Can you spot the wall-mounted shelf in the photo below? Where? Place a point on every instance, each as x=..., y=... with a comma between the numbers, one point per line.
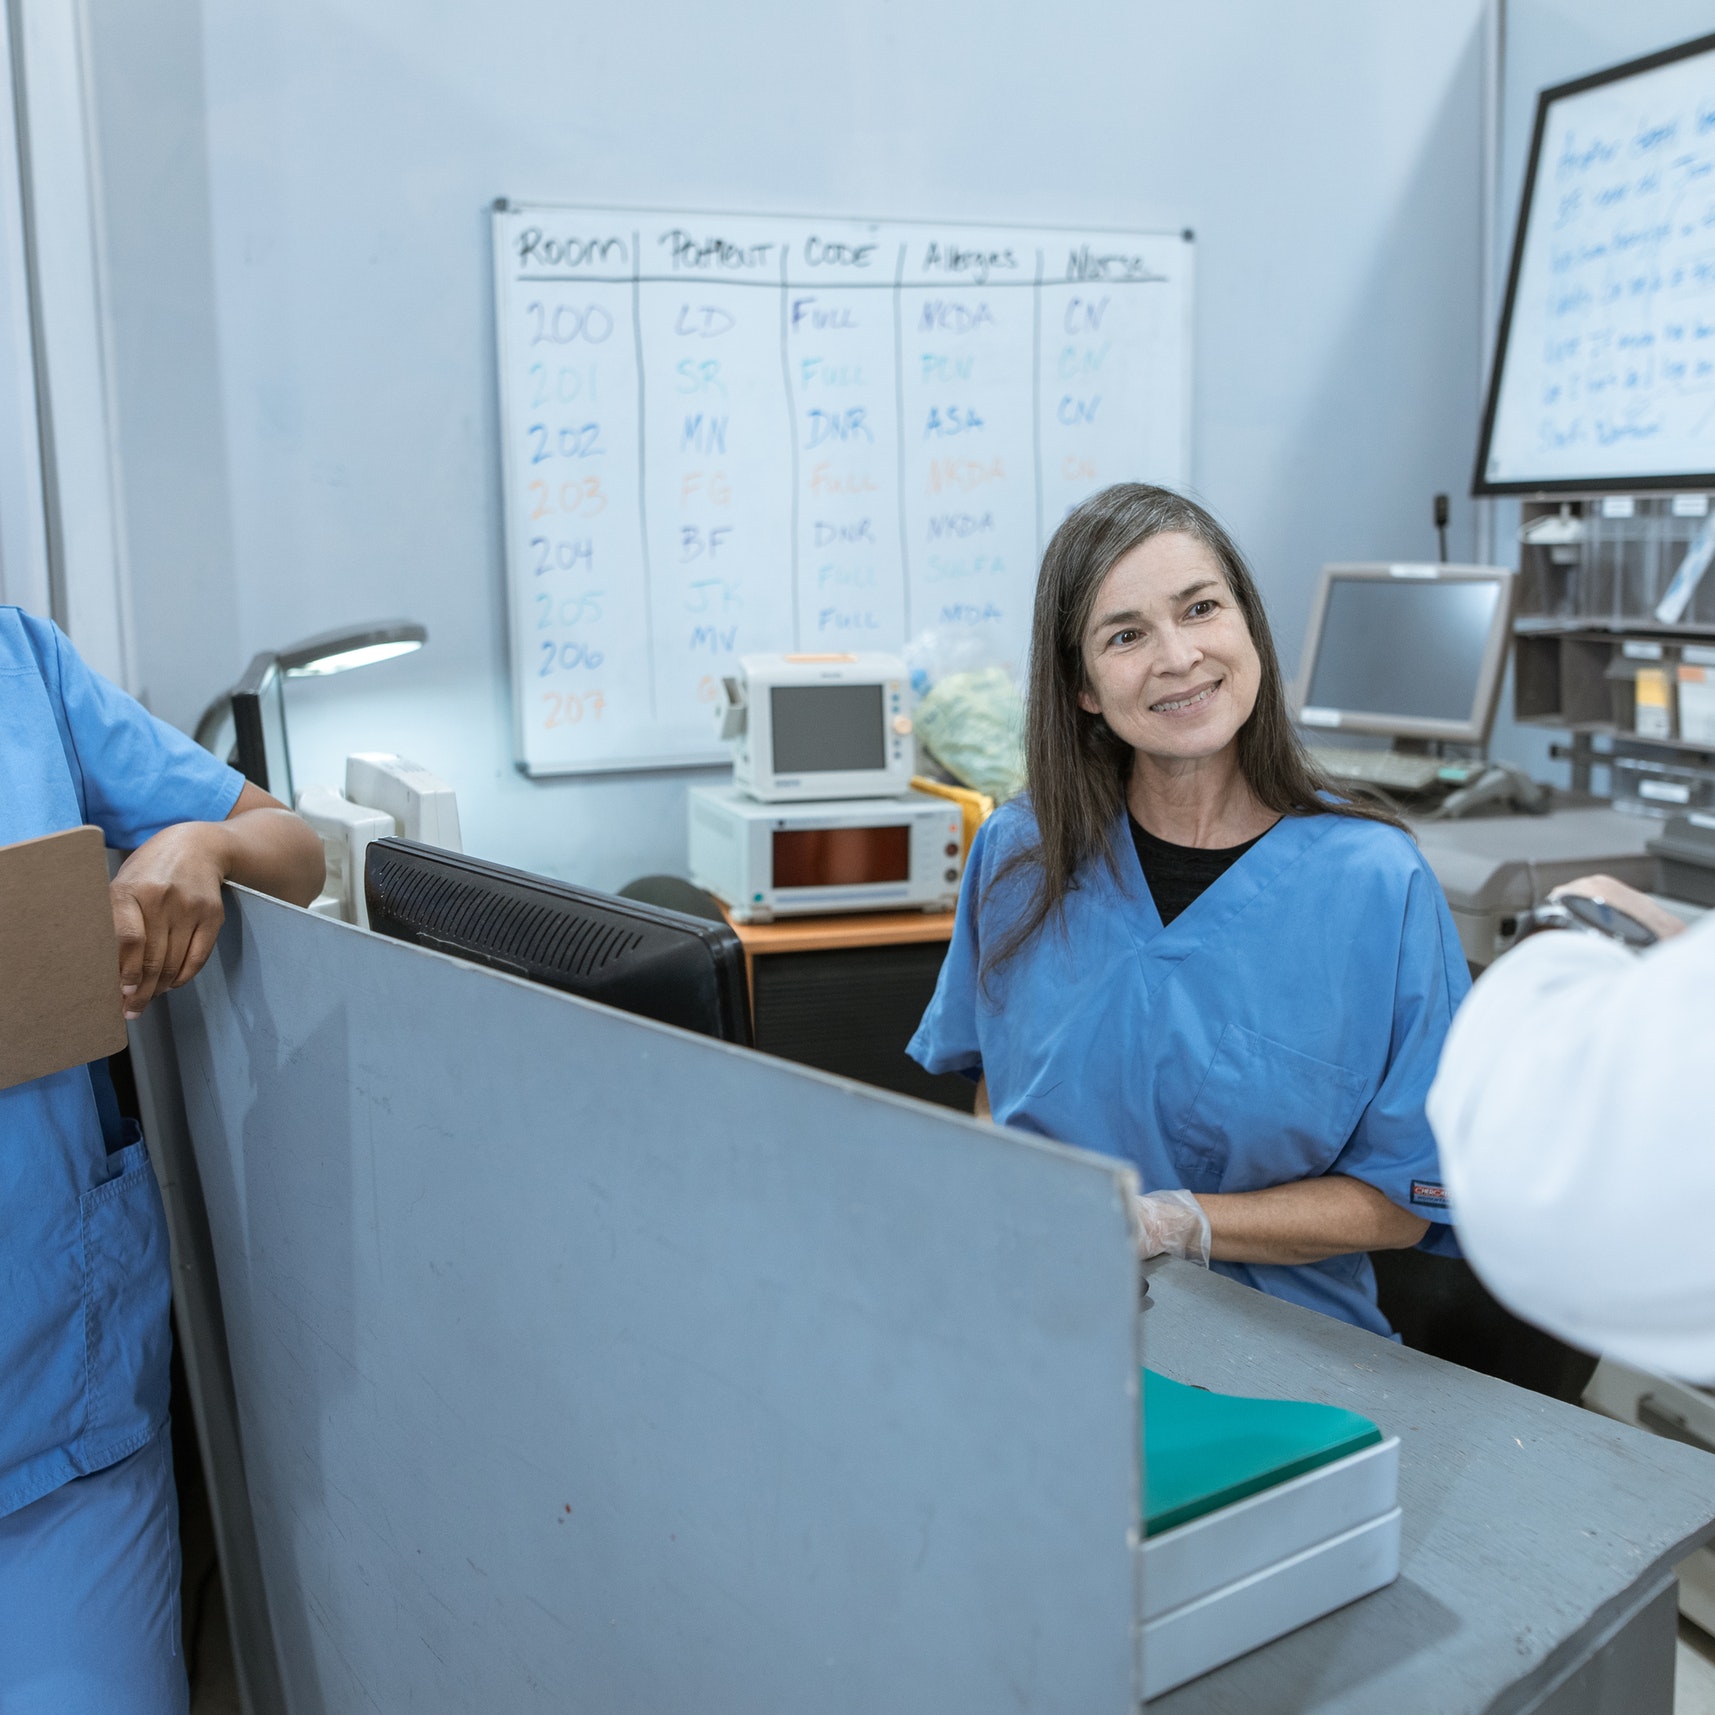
x=1591, y=657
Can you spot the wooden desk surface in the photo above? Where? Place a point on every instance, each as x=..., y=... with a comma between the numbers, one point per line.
x=852, y=929
x=1529, y=1525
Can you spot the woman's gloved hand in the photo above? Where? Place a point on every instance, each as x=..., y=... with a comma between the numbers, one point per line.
x=1172, y=1223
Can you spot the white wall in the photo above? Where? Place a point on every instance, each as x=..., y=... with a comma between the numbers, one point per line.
x=302, y=298
x=1547, y=42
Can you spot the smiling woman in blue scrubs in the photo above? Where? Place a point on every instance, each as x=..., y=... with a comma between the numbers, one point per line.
x=1182, y=948
x=89, y=1556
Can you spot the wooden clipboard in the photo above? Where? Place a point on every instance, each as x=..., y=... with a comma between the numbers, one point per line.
x=59, y=957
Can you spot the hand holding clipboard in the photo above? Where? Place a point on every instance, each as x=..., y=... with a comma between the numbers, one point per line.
x=60, y=1004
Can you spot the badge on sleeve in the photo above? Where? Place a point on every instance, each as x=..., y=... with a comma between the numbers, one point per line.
x=1429, y=1194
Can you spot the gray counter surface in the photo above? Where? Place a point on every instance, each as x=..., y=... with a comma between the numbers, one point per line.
x=1531, y=1528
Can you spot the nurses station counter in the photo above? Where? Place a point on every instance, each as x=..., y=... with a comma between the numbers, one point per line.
x=553, y=1359
x=1493, y=867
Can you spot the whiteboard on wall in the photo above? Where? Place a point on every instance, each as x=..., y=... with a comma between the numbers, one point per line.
x=731, y=433
x=1604, y=373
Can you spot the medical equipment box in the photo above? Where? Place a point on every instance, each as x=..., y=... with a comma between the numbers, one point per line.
x=1260, y=1516
x=805, y=728
x=779, y=860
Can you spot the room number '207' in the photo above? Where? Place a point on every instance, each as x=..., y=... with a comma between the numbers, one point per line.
x=568, y=708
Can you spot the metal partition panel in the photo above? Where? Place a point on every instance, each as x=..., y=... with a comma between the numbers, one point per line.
x=585, y=1364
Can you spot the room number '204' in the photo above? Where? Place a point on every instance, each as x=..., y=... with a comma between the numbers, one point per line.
x=727, y=433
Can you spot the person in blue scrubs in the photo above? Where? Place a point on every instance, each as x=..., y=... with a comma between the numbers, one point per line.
x=89, y=1544
x=1181, y=947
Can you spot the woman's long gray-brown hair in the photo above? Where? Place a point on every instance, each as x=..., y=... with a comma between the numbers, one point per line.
x=1077, y=767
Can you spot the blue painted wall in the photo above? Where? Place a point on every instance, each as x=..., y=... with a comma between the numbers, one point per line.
x=295, y=199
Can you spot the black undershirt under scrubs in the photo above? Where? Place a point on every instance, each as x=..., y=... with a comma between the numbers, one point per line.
x=1177, y=874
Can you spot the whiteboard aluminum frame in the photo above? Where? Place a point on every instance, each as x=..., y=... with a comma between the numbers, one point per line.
x=1481, y=485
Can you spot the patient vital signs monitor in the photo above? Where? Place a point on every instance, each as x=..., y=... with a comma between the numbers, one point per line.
x=819, y=726
x=1407, y=651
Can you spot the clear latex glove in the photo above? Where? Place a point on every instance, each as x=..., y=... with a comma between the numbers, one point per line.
x=1172, y=1222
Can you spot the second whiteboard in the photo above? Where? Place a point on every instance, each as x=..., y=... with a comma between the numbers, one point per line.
x=726, y=434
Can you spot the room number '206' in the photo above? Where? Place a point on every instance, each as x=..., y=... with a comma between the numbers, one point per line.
x=566, y=657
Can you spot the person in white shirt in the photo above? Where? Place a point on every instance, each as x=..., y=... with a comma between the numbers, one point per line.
x=1575, y=1112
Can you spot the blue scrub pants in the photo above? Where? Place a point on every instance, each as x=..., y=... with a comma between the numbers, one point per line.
x=89, y=1595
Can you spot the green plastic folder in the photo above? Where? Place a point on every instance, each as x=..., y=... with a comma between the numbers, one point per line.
x=1203, y=1451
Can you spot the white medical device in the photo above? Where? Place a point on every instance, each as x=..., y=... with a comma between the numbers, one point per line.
x=782, y=860
x=819, y=726
x=345, y=830
x=384, y=796
x=422, y=803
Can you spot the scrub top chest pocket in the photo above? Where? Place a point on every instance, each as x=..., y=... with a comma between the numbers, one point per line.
x=1265, y=1114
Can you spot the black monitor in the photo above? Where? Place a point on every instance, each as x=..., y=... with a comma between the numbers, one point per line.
x=640, y=958
x=259, y=727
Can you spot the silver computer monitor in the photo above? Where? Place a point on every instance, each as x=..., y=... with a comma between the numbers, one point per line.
x=1406, y=651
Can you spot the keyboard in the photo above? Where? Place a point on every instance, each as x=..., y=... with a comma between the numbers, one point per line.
x=1392, y=770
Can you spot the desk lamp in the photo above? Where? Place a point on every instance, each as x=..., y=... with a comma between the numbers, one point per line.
x=248, y=722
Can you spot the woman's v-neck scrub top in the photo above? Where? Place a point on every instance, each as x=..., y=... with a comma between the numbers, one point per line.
x=1286, y=1025
x=84, y=1284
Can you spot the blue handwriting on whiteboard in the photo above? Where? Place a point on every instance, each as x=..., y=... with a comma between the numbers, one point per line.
x=858, y=530
x=954, y=420
x=848, y=425
x=1080, y=362
x=709, y=595
x=943, y=570
x=580, y=442
x=815, y=371
x=950, y=315
x=836, y=320
x=845, y=577
x=695, y=541
x=937, y=367
x=563, y=556
x=959, y=524
x=703, y=377
x=1073, y=411
x=707, y=321
x=1084, y=315
x=1593, y=154
x=845, y=619
x=703, y=435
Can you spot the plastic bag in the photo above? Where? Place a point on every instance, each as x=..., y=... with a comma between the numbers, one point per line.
x=972, y=723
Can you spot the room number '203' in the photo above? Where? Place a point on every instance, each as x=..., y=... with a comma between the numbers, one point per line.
x=727, y=433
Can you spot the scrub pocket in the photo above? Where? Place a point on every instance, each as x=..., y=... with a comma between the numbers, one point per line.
x=127, y=1288
x=1267, y=1114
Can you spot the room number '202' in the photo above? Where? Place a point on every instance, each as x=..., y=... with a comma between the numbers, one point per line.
x=726, y=434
